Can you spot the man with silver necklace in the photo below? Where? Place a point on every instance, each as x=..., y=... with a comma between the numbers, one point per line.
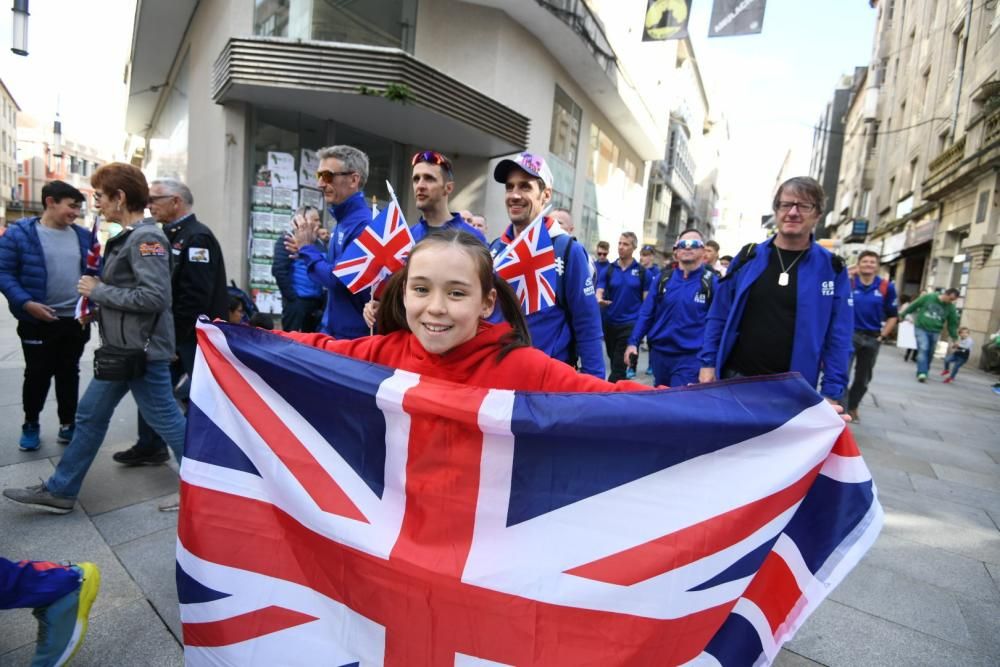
x=785, y=304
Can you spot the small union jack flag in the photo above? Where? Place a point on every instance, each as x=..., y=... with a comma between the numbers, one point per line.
x=529, y=265
x=84, y=308
x=378, y=252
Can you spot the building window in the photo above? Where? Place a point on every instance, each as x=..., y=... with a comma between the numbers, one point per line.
x=565, y=138
x=374, y=22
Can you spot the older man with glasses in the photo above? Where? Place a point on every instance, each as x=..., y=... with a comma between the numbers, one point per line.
x=785, y=304
x=342, y=174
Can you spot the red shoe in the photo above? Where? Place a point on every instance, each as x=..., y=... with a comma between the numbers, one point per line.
x=944, y=372
x=949, y=380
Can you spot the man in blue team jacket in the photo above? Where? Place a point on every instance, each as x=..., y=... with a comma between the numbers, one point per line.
x=343, y=172
x=785, y=304
x=575, y=318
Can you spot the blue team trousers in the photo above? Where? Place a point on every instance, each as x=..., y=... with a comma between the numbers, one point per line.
x=34, y=584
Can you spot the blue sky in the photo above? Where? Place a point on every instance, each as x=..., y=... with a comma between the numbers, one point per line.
x=774, y=86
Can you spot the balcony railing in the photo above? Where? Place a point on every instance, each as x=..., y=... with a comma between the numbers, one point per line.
x=578, y=16
x=948, y=158
x=991, y=128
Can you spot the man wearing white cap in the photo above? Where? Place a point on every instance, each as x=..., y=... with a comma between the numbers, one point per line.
x=575, y=320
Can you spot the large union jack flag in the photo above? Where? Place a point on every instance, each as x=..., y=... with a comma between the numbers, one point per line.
x=84, y=308
x=338, y=512
x=378, y=252
x=528, y=263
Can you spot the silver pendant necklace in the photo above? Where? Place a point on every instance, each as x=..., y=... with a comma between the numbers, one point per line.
x=783, y=276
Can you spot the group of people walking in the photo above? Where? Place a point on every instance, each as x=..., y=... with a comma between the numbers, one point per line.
x=782, y=305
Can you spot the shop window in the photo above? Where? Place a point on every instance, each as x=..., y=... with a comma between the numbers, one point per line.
x=565, y=136
x=375, y=22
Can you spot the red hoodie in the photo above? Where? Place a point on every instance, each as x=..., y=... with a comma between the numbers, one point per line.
x=472, y=363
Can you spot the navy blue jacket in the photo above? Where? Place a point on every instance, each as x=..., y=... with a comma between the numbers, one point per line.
x=23, y=277
x=870, y=308
x=624, y=289
x=674, y=323
x=422, y=229
x=576, y=316
x=824, y=319
x=343, y=317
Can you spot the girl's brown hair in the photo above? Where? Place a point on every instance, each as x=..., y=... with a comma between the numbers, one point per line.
x=392, y=313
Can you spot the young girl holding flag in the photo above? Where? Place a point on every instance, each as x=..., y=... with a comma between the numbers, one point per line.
x=433, y=321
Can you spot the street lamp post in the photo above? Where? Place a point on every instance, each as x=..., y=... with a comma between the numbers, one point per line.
x=19, y=36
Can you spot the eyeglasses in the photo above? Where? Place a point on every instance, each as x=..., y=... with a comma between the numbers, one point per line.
x=326, y=176
x=802, y=206
x=432, y=157
x=602, y=254
x=156, y=197
x=689, y=244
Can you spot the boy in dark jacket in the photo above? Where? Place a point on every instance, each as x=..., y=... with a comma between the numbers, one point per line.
x=41, y=260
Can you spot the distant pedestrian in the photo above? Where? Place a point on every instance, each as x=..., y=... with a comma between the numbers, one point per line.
x=906, y=339
x=960, y=351
x=712, y=251
x=621, y=289
x=41, y=260
x=933, y=311
x=875, y=317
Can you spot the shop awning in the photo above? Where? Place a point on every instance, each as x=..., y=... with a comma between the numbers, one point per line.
x=349, y=83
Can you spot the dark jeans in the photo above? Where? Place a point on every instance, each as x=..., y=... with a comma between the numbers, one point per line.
x=52, y=349
x=148, y=438
x=866, y=349
x=301, y=314
x=615, y=341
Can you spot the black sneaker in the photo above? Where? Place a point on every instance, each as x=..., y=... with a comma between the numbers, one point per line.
x=141, y=456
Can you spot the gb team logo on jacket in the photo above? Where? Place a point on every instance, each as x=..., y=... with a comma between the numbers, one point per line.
x=826, y=288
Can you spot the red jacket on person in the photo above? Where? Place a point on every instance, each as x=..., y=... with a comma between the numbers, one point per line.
x=473, y=362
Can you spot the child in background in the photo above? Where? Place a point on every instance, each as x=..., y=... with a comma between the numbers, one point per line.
x=960, y=351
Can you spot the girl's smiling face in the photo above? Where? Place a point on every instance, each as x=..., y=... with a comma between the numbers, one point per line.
x=444, y=299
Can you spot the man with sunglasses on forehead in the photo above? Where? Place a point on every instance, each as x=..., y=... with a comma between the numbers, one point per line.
x=673, y=315
x=433, y=182
x=575, y=319
x=342, y=174
x=785, y=304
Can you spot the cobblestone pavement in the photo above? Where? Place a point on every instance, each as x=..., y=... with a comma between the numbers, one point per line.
x=928, y=593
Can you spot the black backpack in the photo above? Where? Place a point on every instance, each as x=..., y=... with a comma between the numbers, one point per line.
x=707, y=273
x=609, y=271
x=749, y=251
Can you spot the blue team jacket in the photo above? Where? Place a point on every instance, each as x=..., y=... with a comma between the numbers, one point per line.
x=578, y=318
x=23, y=277
x=343, y=317
x=422, y=229
x=675, y=322
x=824, y=319
x=870, y=309
x=624, y=290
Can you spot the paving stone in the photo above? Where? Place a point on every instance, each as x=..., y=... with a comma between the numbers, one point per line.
x=959, y=493
x=135, y=521
x=966, y=577
x=151, y=562
x=994, y=570
x=885, y=477
x=935, y=451
x=987, y=479
x=786, y=658
x=839, y=636
x=983, y=621
x=126, y=636
x=959, y=529
x=904, y=600
x=110, y=486
x=889, y=460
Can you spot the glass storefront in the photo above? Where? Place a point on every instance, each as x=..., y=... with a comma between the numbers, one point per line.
x=373, y=22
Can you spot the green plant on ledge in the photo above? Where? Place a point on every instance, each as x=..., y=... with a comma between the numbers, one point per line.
x=398, y=92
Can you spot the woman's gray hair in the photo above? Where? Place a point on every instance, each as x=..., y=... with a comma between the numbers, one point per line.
x=175, y=187
x=353, y=160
